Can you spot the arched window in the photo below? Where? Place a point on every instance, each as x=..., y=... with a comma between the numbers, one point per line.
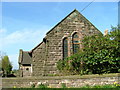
x=76, y=43
x=65, y=48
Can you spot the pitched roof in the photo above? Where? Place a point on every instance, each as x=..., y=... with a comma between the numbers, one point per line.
x=26, y=58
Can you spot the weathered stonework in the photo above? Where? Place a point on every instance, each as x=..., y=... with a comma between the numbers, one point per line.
x=25, y=71
x=57, y=81
x=38, y=59
x=50, y=50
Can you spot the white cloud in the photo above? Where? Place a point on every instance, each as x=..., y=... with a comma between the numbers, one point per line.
x=2, y=31
x=22, y=36
x=10, y=42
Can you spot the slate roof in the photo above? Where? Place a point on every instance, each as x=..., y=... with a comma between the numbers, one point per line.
x=25, y=57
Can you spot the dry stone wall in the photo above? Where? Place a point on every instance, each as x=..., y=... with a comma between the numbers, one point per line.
x=57, y=81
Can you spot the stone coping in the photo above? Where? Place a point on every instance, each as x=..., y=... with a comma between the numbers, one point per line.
x=68, y=77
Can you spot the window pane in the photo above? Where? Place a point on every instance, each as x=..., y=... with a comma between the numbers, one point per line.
x=75, y=41
x=76, y=45
x=75, y=48
x=65, y=48
x=75, y=35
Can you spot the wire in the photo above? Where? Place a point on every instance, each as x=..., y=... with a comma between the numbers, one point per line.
x=87, y=6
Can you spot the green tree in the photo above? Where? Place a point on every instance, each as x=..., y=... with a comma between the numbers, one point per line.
x=6, y=66
x=2, y=54
x=115, y=33
x=102, y=54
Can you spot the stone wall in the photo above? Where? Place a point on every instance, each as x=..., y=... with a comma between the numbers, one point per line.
x=26, y=71
x=45, y=59
x=56, y=81
x=38, y=60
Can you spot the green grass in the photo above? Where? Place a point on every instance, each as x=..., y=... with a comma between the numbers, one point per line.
x=87, y=87
x=101, y=86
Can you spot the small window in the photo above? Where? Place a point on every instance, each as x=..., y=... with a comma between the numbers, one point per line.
x=27, y=69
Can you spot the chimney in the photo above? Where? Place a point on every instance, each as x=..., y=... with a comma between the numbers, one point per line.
x=105, y=32
x=20, y=56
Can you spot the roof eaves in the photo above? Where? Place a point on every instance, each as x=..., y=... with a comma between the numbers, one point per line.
x=35, y=47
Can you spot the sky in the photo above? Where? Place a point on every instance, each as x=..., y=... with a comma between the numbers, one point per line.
x=24, y=24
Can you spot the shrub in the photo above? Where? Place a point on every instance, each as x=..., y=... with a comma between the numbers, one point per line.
x=42, y=86
x=33, y=85
x=63, y=85
x=100, y=55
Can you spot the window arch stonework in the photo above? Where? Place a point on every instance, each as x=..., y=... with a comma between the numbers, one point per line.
x=75, y=42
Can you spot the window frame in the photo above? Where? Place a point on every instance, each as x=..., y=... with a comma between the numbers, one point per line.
x=65, y=48
x=74, y=43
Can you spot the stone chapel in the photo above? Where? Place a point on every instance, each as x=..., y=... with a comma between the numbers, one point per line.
x=62, y=41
